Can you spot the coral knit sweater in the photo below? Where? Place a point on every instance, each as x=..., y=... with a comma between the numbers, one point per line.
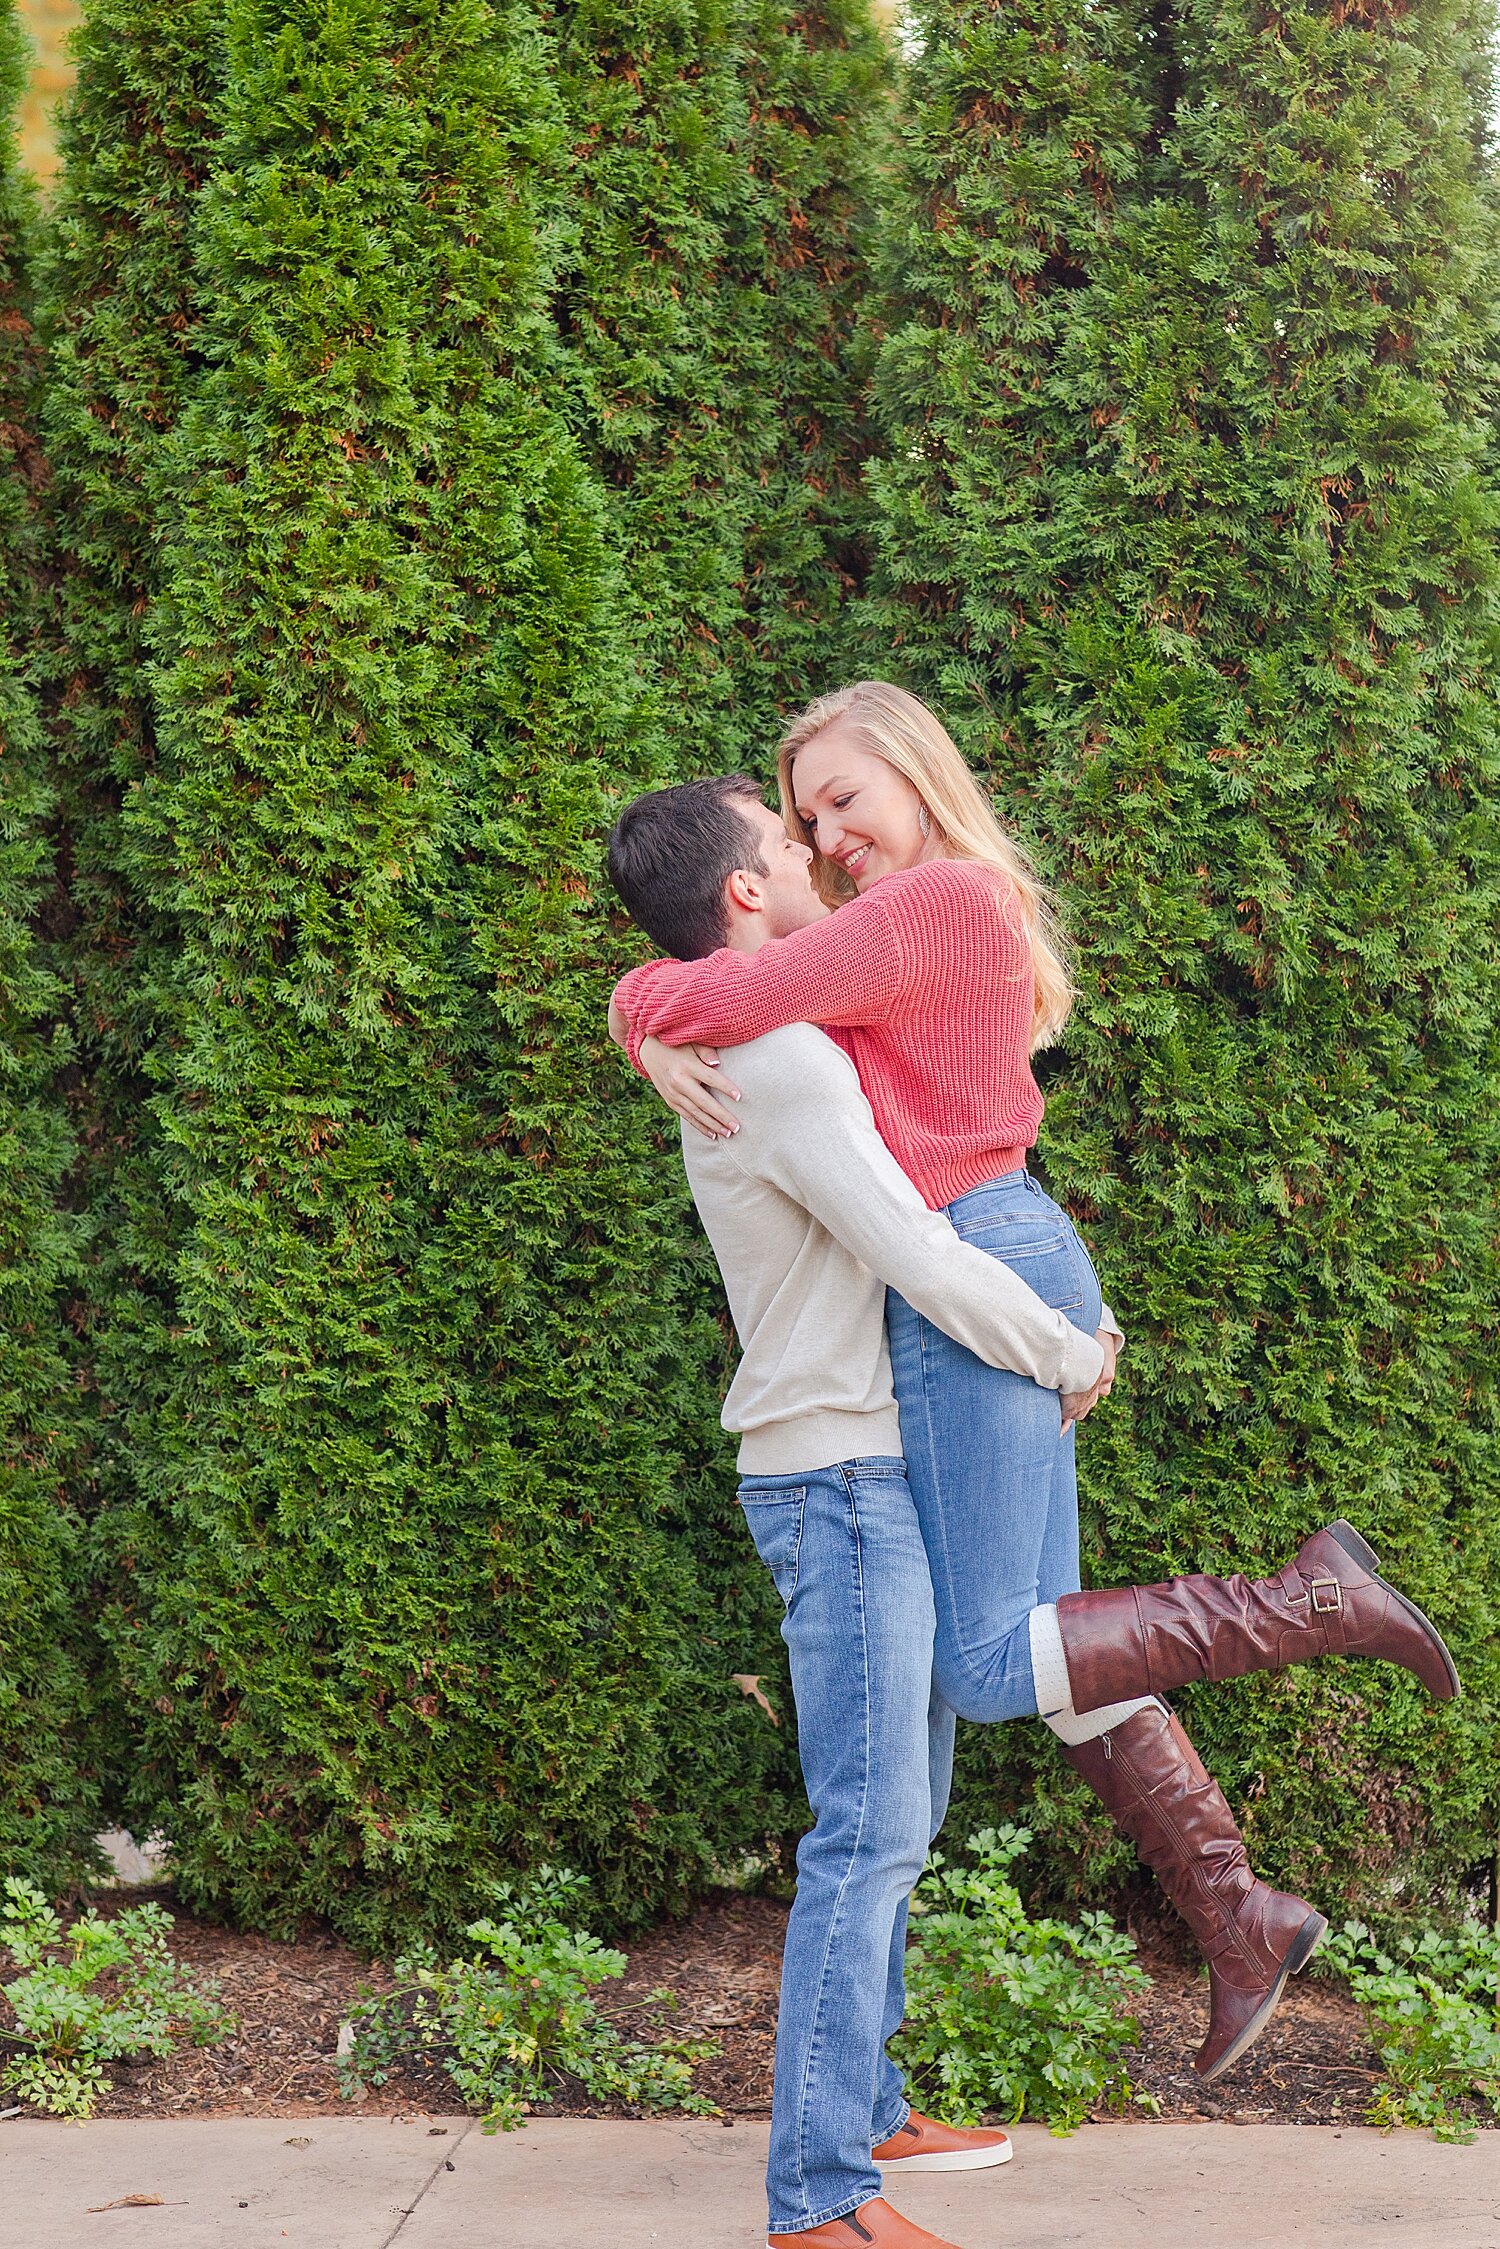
x=926, y=982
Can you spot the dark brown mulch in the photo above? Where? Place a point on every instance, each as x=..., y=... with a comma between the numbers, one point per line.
x=289, y=2000
x=1313, y=2066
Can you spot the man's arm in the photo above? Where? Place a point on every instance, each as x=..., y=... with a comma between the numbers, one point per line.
x=812, y=1134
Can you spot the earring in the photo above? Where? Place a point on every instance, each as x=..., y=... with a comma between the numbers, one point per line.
x=924, y=819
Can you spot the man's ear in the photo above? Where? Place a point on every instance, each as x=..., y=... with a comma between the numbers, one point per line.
x=743, y=889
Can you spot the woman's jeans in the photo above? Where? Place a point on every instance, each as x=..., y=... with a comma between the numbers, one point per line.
x=845, y=1549
x=990, y=1471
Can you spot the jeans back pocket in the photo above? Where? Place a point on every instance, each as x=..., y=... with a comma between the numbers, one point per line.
x=774, y=1513
x=1041, y=1249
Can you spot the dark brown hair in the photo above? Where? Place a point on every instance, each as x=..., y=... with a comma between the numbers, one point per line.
x=671, y=853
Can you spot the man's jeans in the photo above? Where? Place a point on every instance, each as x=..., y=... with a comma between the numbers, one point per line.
x=845, y=1549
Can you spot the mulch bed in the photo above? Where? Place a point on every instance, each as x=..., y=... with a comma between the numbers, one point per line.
x=1313, y=2066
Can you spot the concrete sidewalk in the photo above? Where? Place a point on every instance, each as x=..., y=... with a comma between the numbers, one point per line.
x=437, y=2183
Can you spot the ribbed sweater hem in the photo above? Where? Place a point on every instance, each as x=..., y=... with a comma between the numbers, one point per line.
x=819, y=1440
x=949, y=1181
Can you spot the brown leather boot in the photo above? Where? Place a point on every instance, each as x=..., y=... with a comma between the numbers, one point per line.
x=1329, y=1600
x=874, y=2225
x=1147, y=1775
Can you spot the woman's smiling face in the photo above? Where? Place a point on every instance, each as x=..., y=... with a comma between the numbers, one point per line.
x=859, y=811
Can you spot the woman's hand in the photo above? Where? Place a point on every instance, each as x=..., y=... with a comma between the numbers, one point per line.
x=690, y=1081
x=1077, y=1404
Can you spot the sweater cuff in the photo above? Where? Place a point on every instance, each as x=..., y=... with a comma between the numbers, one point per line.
x=635, y=1039
x=1082, y=1362
x=622, y=998
x=1107, y=1320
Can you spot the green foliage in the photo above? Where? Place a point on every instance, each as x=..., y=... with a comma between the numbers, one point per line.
x=1188, y=508
x=723, y=168
x=1432, y=2004
x=119, y=316
x=508, y=2026
x=454, y=415
x=48, y=1789
x=415, y=1569
x=121, y=320
x=1003, y=2012
x=67, y=2028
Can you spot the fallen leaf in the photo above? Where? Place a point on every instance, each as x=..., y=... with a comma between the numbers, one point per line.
x=130, y=2202
x=748, y=1683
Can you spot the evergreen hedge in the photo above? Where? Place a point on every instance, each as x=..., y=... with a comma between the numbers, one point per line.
x=1189, y=503
x=455, y=421
x=119, y=322
x=718, y=197
x=49, y=1792
x=418, y=1566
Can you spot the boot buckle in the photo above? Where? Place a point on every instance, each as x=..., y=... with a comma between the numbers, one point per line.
x=1327, y=1595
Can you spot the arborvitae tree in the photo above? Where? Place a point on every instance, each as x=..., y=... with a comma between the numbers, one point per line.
x=122, y=324
x=397, y=1602
x=721, y=178
x=1193, y=534
x=49, y=1795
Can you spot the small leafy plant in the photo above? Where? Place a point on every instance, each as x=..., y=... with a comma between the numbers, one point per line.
x=1007, y=2013
x=1432, y=2007
x=97, y=1992
x=513, y=2020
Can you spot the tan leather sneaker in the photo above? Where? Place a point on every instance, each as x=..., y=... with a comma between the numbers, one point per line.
x=922, y=2144
x=874, y=2225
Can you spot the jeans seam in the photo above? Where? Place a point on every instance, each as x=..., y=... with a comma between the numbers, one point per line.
x=814, y=2043
x=932, y=1452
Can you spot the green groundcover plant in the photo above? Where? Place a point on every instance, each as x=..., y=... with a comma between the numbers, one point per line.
x=513, y=2019
x=1003, y=2012
x=99, y=1991
x=1431, y=2003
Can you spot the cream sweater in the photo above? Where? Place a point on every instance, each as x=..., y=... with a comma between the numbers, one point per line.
x=811, y=1219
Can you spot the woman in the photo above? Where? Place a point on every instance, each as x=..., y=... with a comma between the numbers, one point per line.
x=941, y=973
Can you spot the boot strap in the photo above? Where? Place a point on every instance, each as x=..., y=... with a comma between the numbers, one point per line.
x=1323, y=1600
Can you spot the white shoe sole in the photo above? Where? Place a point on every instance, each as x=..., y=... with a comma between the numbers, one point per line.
x=962, y=2159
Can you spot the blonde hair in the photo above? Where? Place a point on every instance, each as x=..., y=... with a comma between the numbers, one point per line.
x=895, y=726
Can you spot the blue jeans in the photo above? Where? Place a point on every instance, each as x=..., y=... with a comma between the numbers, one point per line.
x=991, y=1473
x=845, y=1549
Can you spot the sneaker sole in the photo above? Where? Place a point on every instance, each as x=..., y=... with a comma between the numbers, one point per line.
x=1306, y=1942
x=961, y=2159
x=1360, y=1550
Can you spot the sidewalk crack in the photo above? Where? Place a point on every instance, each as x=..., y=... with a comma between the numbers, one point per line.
x=427, y=2185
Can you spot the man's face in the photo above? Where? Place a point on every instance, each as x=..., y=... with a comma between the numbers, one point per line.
x=789, y=899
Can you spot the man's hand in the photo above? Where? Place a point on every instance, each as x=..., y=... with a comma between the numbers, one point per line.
x=690, y=1081
x=1077, y=1404
x=619, y=1029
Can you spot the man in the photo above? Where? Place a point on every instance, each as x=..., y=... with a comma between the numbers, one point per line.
x=810, y=1218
